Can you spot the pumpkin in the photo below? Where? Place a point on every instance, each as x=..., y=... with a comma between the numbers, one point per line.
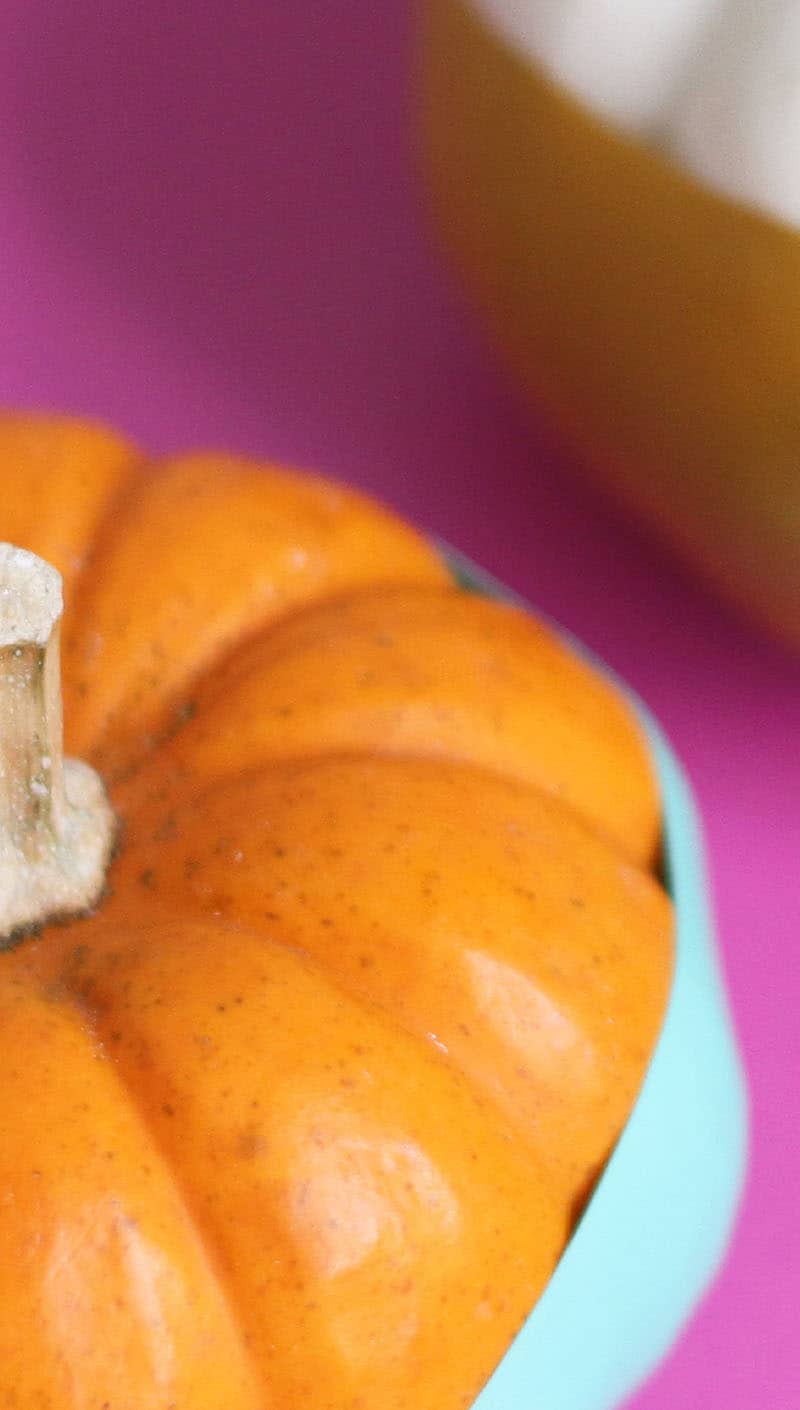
x=302, y=1102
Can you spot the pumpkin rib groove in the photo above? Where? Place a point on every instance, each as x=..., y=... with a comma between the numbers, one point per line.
x=71, y=985
x=206, y=548
x=113, y=515
x=49, y=455
x=183, y=707
x=67, y=1010
x=134, y=794
x=111, y=524
x=449, y=676
x=171, y=910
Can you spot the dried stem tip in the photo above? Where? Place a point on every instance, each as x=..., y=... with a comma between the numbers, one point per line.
x=56, y=824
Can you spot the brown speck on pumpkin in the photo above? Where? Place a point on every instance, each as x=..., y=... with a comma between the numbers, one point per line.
x=250, y=1143
x=186, y=712
x=168, y=829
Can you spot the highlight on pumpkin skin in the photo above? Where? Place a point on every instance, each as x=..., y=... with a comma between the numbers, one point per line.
x=370, y=1217
x=200, y=551
x=108, y=1291
x=480, y=913
x=431, y=671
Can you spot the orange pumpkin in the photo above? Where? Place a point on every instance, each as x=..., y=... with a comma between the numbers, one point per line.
x=302, y=1114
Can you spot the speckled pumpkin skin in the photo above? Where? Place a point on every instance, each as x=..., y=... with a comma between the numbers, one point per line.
x=302, y=1116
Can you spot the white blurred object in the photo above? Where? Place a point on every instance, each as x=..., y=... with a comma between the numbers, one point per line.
x=738, y=123
x=716, y=83
x=624, y=58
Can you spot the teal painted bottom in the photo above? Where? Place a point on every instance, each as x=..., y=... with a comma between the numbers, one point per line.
x=657, y=1226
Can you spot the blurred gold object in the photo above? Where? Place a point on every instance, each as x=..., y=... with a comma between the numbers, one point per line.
x=656, y=322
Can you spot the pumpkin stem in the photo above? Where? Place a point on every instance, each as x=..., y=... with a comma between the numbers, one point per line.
x=56, y=824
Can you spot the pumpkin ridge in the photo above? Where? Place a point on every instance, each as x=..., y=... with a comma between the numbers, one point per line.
x=133, y=1073
x=158, y=845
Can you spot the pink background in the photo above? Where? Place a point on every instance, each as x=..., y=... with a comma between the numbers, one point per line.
x=209, y=232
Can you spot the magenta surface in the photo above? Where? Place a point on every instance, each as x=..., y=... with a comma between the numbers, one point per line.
x=209, y=233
